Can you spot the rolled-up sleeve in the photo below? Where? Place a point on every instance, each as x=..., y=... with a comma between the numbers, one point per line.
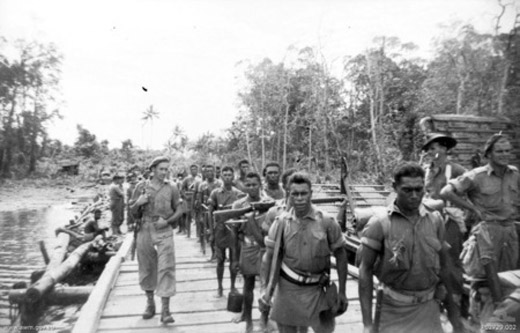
x=270, y=239
x=334, y=234
x=372, y=235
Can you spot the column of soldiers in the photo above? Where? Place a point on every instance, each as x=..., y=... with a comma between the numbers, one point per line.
x=413, y=246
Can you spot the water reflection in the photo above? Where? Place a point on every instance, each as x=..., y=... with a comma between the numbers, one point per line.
x=21, y=230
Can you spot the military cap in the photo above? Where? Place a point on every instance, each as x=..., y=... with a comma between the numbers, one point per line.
x=157, y=160
x=443, y=139
x=490, y=143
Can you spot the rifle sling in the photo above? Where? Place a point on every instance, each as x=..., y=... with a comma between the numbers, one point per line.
x=276, y=262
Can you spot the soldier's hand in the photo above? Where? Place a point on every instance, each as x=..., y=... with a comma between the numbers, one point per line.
x=143, y=199
x=263, y=305
x=343, y=303
x=160, y=223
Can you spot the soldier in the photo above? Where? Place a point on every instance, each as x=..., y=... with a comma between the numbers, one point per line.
x=201, y=198
x=221, y=235
x=157, y=201
x=243, y=168
x=252, y=245
x=131, y=178
x=281, y=205
x=188, y=188
x=308, y=238
x=437, y=175
x=408, y=240
x=217, y=172
x=272, y=178
x=493, y=200
x=117, y=203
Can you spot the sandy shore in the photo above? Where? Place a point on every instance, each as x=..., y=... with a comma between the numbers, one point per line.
x=35, y=194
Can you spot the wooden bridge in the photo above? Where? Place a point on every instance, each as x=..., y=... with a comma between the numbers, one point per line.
x=117, y=302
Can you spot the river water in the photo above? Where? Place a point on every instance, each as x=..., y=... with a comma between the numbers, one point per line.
x=20, y=232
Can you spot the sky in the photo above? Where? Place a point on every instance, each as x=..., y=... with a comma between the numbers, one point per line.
x=185, y=53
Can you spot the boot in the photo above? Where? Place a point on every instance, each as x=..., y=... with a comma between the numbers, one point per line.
x=166, y=317
x=149, y=312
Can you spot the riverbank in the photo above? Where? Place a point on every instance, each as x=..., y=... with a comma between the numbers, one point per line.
x=41, y=193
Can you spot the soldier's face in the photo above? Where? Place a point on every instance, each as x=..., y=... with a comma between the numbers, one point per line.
x=300, y=197
x=410, y=191
x=210, y=173
x=501, y=153
x=194, y=171
x=435, y=150
x=253, y=187
x=227, y=177
x=244, y=168
x=161, y=170
x=272, y=175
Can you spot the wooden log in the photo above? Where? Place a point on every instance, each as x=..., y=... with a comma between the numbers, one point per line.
x=56, y=274
x=57, y=296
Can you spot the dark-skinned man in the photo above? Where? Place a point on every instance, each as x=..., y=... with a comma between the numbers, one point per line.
x=188, y=189
x=243, y=169
x=309, y=236
x=201, y=198
x=222, y=236
x=156, y=202
x=408, y=239
x=272, y=186
x=252, y=244
x=493, y=201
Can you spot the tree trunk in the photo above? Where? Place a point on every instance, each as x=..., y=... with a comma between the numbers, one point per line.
x=8, y=157
x=285, y=129
x=310, y=148
x=503, y=88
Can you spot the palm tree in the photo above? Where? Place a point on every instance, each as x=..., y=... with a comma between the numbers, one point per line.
x=149, y=114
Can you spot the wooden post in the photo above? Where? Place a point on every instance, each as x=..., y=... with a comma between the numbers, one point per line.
x=45, y=255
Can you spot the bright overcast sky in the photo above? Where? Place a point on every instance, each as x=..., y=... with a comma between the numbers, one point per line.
x=185, y=52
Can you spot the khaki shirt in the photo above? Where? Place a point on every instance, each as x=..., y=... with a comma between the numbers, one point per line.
x=218, y=199
x=307, y=242
x=435, y=179
x=410, y=252
x=497, y=197
x=162, y=201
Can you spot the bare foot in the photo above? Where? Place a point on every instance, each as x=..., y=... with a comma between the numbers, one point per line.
x=220, y=293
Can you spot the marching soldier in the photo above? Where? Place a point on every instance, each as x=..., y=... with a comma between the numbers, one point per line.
x=308, y=237
x=157, y=203
x=243, y=168
x=117, y=203
x=272, y=179
x=408, y=240
x=251, y=238
x=222, y=236
x=201, y=198
x=188, y=188
x=493, y=200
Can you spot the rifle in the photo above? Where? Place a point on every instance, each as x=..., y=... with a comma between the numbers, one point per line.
x=274, y=274
x=379, y=304
x=227, y=214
